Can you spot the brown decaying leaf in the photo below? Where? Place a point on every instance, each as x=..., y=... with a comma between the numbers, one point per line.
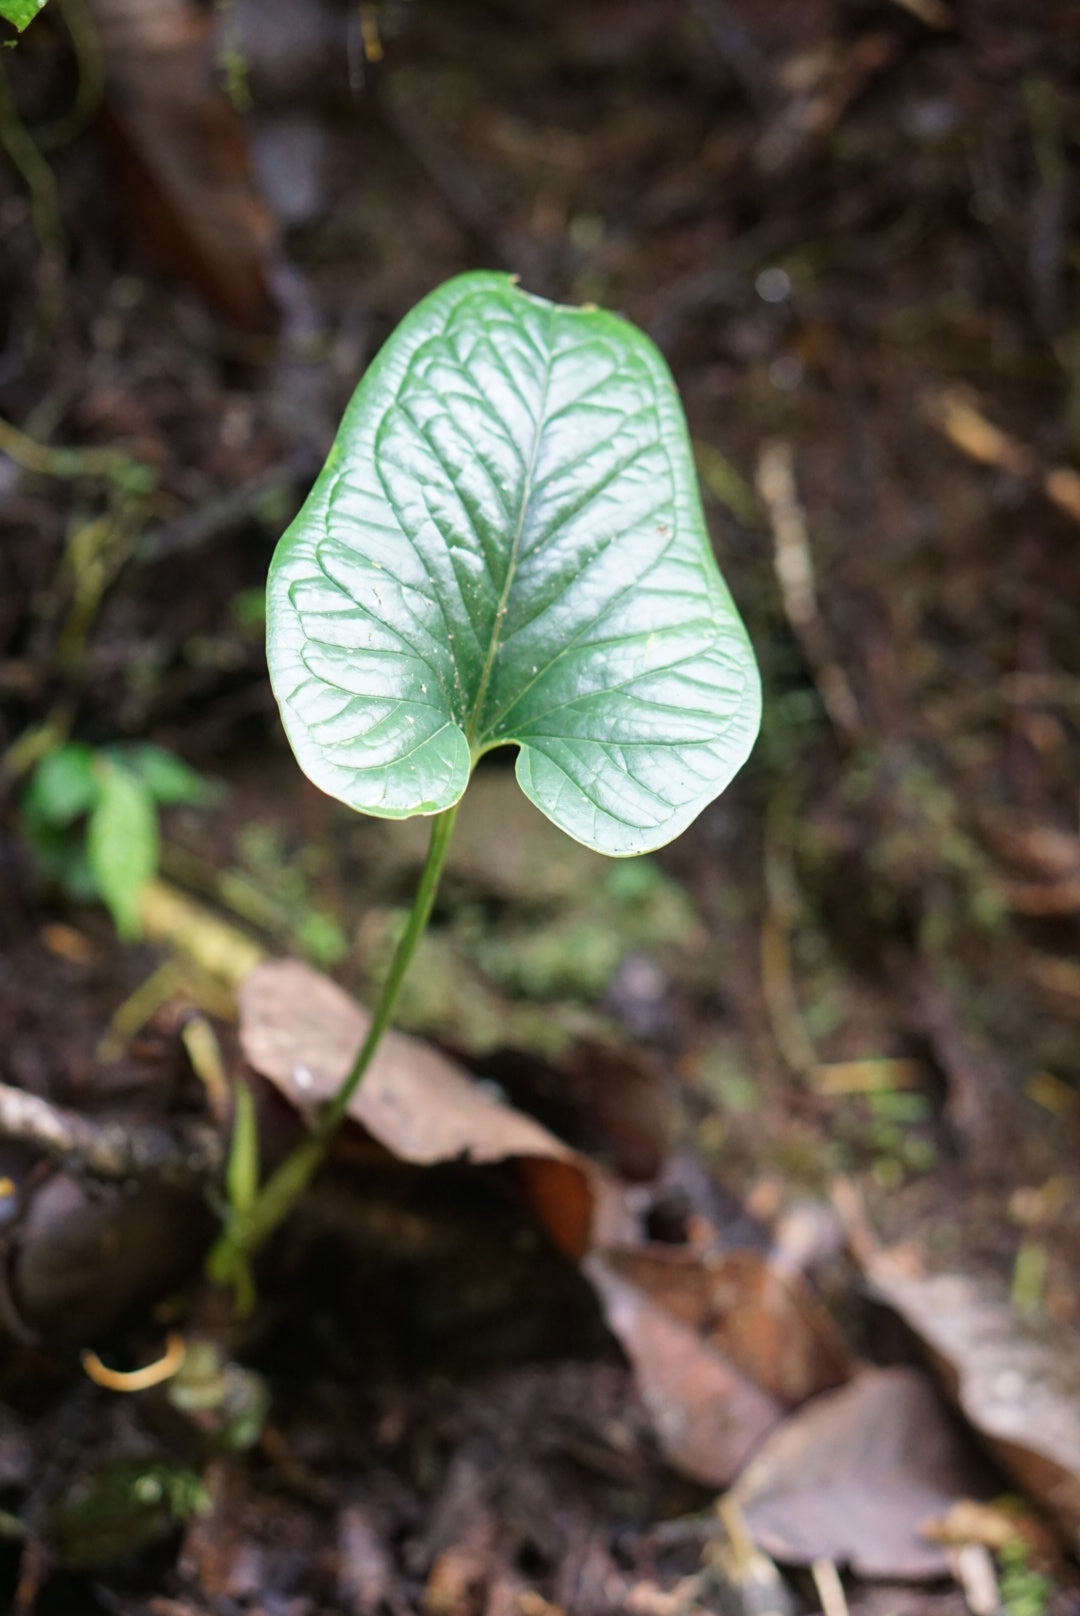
x=1017, y=1384
x=852, y=1475
x=302, y=1032
x=708, y=1416
x=763, y=1319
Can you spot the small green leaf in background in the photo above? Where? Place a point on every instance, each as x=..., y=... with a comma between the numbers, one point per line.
x=64, y=786
x=20, y=13
x=169, y=780
x=507, y=547
x=122, y=843
x=321, y=938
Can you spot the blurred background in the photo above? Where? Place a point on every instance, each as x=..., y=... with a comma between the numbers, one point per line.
x=853, y=229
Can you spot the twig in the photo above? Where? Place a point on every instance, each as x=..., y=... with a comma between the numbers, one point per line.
x=830, y=1590
x=795, y=572
x=137, y=1380
x=778, y=983
x=934, y=13
x=955, y=415
x=973, y=1565
x=217, y=516
x=182, y=1153
x=131, y=476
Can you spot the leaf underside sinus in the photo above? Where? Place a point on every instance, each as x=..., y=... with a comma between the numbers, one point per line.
x=507, y=545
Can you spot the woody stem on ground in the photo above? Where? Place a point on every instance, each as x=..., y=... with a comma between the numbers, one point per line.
x=286, y=1184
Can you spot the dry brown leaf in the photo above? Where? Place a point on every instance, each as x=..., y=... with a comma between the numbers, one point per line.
x=1016, y=1381
x=763, y=1319
x=708, y=1416
x=302, y=1032
x=850, y=1478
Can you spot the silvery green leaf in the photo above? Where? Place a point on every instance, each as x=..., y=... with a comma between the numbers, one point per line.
x=506, y=546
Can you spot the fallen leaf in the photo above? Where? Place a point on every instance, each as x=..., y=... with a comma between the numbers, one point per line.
x=763, y=1319
x=302, y=1032
x=853, y=1474
x=708, y=1416
x=607, y=1098
x=1015, y=1378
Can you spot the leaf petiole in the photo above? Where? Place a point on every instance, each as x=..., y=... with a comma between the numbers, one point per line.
x=249, y=1227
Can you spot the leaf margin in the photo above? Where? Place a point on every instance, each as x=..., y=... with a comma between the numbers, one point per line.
x=284, y=652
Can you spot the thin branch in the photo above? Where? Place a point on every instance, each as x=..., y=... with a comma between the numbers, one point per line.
x=795, y=572
x=183, y=1153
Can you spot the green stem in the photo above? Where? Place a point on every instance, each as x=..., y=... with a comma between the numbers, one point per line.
x=287, y=1183
x=441, y=832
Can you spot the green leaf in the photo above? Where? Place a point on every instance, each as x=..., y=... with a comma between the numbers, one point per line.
x=169, y=780
x=122, y=844
x=20, y=12
x=63, y=787
x=506, y=546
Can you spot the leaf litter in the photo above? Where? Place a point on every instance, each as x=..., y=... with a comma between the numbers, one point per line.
x=722, y=1345
x=953, y=630
x=852, y=1477
x=1015, y=1378
x=302, y=1031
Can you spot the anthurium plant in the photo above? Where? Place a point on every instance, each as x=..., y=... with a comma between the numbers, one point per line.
x=506, y=547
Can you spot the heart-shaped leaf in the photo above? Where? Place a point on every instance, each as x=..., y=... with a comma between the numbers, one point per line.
x=506, y=545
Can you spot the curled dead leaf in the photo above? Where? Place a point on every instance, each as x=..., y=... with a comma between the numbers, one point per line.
x=302, y=1031
x=708, y=1416
x=764, y=1319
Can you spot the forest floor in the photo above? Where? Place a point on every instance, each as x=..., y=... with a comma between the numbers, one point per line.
x=820, y=1056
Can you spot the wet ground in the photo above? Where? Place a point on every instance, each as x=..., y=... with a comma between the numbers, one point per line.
x=851, y=987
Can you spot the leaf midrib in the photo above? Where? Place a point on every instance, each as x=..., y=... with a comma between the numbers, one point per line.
x=526, y=495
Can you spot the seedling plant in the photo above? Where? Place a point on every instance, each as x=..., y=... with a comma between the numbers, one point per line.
x=90, y=815
x=506, y=547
